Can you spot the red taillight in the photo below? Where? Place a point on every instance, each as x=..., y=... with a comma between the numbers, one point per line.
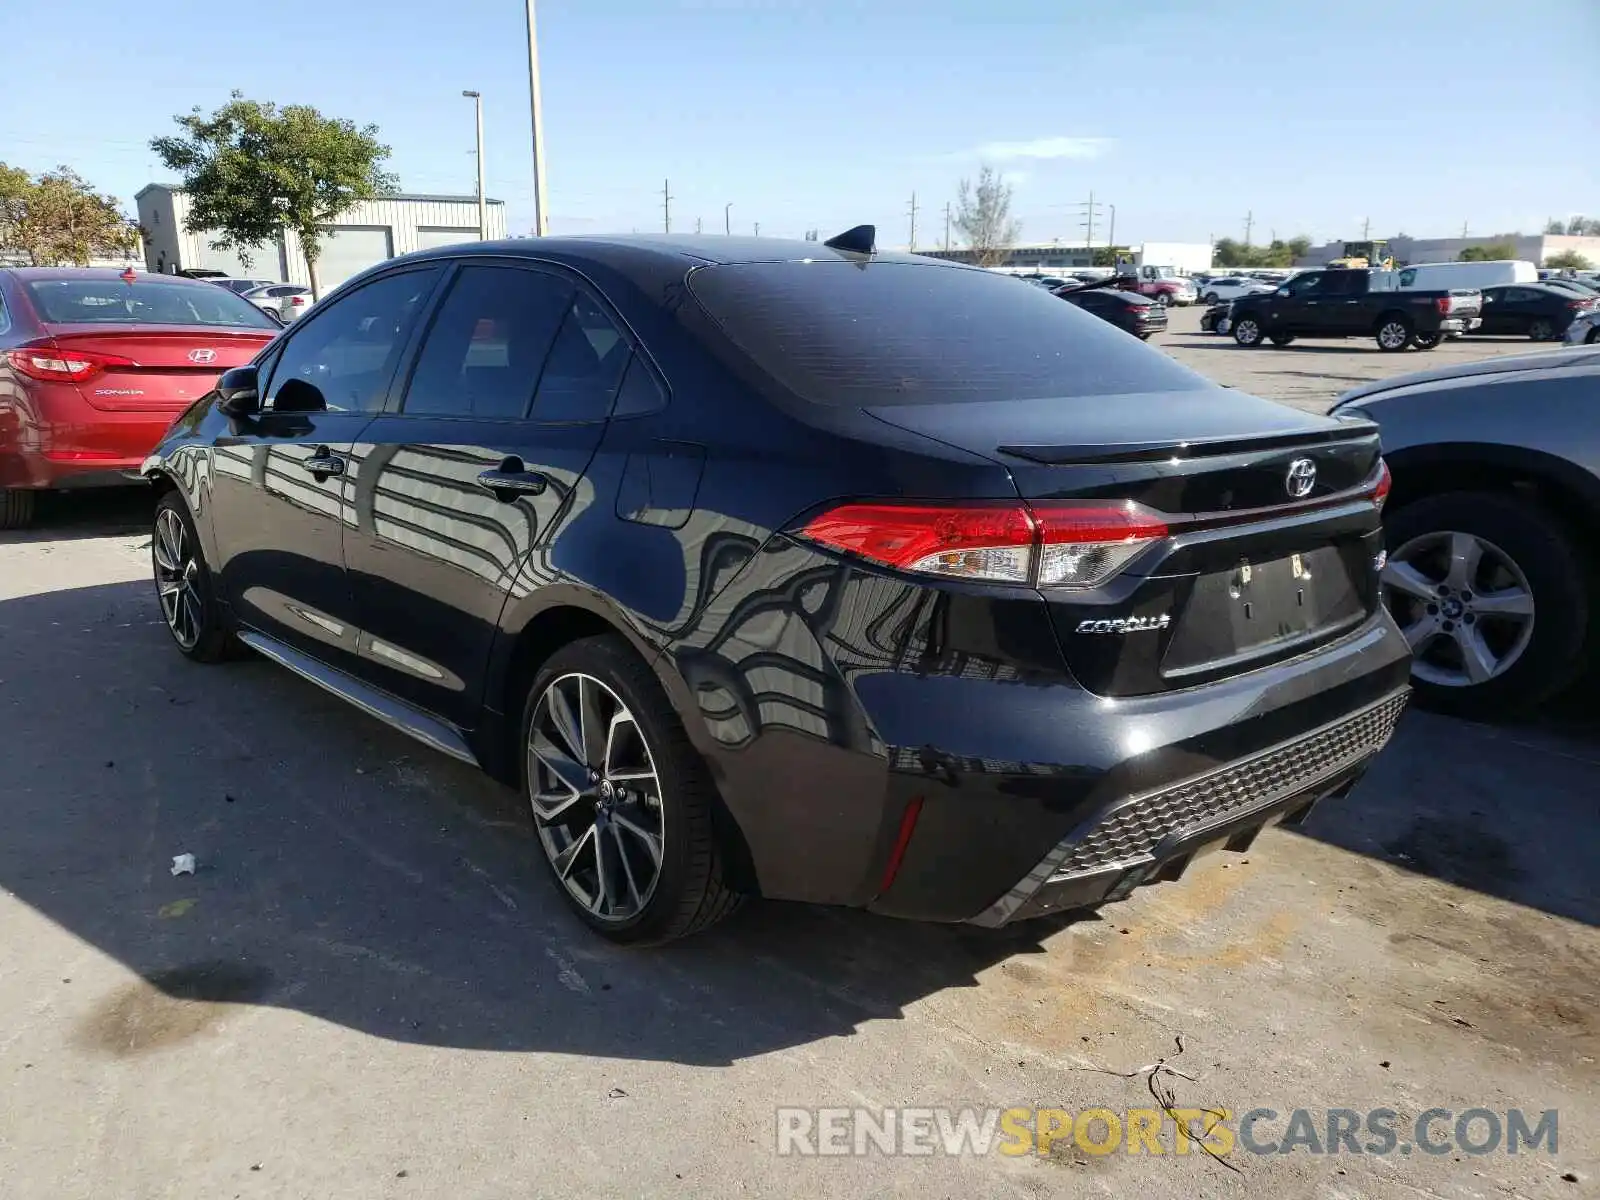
x=1380, y=490
x=1444, y=304
x=1580, y=304
x=296, y=301
x=1080, y=544
x=63, y=366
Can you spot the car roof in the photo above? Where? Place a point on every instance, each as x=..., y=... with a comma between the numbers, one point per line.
x=689, y=248
x=31, y=274
x=1520, y=364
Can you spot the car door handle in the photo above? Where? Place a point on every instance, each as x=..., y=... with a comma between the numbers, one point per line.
x=512, y=479
x=323, y=463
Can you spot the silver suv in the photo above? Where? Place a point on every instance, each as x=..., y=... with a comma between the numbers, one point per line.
x=1493, y=524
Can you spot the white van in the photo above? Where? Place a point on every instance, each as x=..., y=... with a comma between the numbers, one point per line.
x=1444, y=276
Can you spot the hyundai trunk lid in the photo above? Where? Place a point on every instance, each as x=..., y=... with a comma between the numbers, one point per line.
x=152, y=368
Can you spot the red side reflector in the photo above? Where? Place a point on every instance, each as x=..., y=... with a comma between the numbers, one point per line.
x=908, y=826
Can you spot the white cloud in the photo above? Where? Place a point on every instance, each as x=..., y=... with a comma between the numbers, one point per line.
x=1016, y=178
x=1048, y=147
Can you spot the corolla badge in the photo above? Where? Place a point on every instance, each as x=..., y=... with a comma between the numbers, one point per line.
x=202, y=356
x=1302, y=477
x=1124, y=624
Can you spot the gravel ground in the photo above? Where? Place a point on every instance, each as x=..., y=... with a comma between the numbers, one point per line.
x=368, y=990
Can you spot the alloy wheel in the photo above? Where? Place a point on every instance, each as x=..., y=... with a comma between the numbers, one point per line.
x=1393, y=335
x=1463, y=604
x=1247, y=332
x=177, y=579
x=596, y=797
x=1541, y=331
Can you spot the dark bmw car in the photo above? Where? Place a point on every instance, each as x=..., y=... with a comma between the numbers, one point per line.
x=1129, y=312
x=794, y=570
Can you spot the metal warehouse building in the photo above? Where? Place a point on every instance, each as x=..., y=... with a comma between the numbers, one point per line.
x=366, y=234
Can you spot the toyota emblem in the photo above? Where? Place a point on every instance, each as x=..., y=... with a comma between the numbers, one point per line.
x=202, y=356
x=1302, y=477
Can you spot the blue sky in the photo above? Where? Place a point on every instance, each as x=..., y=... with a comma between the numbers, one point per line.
x=1312, y=114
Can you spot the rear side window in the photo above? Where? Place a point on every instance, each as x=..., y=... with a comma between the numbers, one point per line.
x=843, y=334
x=584, y=368
x=142, y=302
x=483, y=355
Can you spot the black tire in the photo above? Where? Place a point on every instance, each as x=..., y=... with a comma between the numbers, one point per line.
x=1248, y=332
x=691, y=892
x=1163, y=299
x=16, y=508
x=1281, y=339
x=1594, y=336
x=1541, y=329
x=1558, y=577
x=1210, y=298
x=214, y=639
x=1394, y=333
x=1426, y=341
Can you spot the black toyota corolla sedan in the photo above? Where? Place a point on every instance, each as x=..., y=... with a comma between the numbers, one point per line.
x=794, y=570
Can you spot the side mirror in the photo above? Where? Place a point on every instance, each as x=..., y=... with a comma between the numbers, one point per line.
x=239, y=392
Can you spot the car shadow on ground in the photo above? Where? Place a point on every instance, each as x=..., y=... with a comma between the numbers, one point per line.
x=89, y=513
x=350, y=874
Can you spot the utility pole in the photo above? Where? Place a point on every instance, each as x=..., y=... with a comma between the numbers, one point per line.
x=483, y=205
x=911, y=246
x=1366, y=228
x=666, y=206
x=1463, y=229
x=947, y=225
x=1111, y=241
x=697, y=224
x=541, y=218
x=727, y=219
x=1249, y=224
x=758, y=228
x=1088, y=220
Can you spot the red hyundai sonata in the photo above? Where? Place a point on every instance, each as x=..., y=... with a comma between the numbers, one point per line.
x=95, y=364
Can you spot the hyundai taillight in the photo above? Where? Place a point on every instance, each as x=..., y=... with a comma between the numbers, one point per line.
x=1080, y=544
x=52, y=365
x=1380, y=490
x=1580, y=304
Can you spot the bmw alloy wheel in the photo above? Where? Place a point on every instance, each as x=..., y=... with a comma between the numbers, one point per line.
x=596, y=797
x=1463, y=604
x=177, y=579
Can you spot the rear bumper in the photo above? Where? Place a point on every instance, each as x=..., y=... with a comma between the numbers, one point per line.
x=52, y=438
x=1156, y=835
x=1459, y=324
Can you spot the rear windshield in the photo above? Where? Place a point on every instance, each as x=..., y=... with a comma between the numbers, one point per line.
x=843, y=334
x=142, y=302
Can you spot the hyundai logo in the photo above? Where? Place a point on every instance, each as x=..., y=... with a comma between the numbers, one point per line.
x=202, y=356
x=1302, y=477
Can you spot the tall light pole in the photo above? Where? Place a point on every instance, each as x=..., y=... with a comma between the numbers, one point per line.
x=727, y=218
x=1112, y=240
x=483, y=204
x=541, y=219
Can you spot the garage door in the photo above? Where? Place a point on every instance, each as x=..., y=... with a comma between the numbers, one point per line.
x=347, y=249
x=266, y=261
x=429, y=237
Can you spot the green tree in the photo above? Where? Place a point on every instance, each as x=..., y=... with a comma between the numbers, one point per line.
x=1280, y=253
x=1579, y=227
x=1569, y=259
x=58, y=219
x=252, y=169
x=1106, y=256
x=983, y=215
x=1493, y=251
x=1554, y=226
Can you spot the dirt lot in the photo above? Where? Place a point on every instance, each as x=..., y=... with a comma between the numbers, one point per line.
x=368, y=989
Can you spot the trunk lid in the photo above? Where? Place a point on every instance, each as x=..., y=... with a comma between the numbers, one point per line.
x=1265, y=558
x=155, y=368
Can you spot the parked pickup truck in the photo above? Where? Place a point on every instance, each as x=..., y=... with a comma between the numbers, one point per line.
x=1352, y=302
x=1162, y=284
